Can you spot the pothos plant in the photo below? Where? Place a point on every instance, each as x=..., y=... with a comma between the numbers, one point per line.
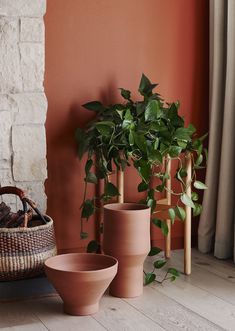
x=142, y=134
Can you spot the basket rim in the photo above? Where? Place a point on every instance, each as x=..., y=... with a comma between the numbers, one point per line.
x=36, y=228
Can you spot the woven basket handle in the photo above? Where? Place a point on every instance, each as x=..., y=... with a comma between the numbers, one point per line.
x=20, y=193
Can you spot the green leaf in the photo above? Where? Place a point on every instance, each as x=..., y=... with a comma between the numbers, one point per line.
x=91, y=178
x=88, y=208
x=173, y=116
x=152, y=204
x=144, y=170
x=187, y=201
x=173, y=272
x=83, y=235
x=171, y=213
x=174, y=151
x=197, y=146
x=88, y=166
x=197, y=210
x=161, y=225
x=128, y=115
x=111, y=190
x=154, y=251
x=126, y=124
x=164, y=228
x=151, y=193
x=142, y=187
x=159, y=264
x=104, y=127
x=173, y=278
x=149, y=278
x=194, y=196
x=125, y=93
x=183, y=134
x=182, y=143
x=93, y=246
x=160, y=188
x=120, y=112
x=155, y=156
x=94, y=106
x=199, y=185
x=180, y=174
x=153, y=111
x=140, y=141
x=180, y=212
x=191, y=129
x=157, y=222
x=131, y=138
x=146, y=87
x=183, y=172
x=199, y=160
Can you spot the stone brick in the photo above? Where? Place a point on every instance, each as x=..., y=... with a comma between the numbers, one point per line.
x=7, y=180
x=29, y=153
x=5, y=103
x=32, y=66
x=33, y=8
x=23, y=104
x=29, y=108
x=5, y=136
x=10, y=74
x=32, y=29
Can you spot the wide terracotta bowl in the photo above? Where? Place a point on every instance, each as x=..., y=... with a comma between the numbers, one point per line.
x=81, y=279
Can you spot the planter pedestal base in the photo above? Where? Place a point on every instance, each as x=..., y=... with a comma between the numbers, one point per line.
x=120, y=285
x=81, y=310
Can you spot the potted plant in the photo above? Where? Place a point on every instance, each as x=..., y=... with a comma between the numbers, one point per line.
x=141, y=134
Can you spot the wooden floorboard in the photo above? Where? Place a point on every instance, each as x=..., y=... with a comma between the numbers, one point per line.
x=50, y=313
x=168, y=313
x=203, y=301
x=192, y=293
x=115, y=314
x=219, y=286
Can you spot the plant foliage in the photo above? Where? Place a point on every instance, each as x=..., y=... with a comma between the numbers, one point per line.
x=142, y=134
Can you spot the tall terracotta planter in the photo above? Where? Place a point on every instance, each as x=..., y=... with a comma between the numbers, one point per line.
x=127, y=238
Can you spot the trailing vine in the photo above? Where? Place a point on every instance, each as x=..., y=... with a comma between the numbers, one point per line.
x=142, y=134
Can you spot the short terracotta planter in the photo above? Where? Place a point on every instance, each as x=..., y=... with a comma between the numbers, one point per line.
x=81, y=279
x=127, y=238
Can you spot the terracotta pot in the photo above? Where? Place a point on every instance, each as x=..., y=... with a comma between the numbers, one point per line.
x=81, y=280
x=127, y=238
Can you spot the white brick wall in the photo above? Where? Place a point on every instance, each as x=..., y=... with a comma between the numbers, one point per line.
x=23, y=104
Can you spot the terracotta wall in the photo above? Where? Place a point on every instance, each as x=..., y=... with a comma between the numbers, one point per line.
x=92, y=48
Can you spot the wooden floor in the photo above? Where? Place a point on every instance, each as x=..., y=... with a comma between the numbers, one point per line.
x=203, y=301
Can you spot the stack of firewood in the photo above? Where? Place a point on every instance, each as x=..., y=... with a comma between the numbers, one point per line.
x=8, y=219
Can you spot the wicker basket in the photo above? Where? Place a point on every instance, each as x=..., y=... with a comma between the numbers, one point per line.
x=23, y=250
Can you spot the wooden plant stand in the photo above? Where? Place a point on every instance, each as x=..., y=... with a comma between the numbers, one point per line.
x=162, y=208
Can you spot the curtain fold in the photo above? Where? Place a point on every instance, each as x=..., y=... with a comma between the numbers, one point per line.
x=216, y=229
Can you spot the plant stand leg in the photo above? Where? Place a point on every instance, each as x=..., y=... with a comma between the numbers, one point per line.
x=120, y=185
x=187, y=223
x=168, y=221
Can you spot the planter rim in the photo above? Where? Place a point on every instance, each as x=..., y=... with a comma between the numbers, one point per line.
x=113, y=262
x=126, y=207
